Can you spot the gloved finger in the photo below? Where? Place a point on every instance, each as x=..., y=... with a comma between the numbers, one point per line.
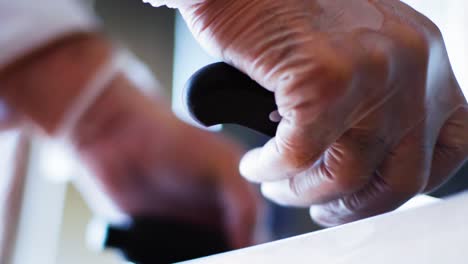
x=266, y=164
x=451, y=150
x=401, y=176
x=311, y=122
x=346, y=167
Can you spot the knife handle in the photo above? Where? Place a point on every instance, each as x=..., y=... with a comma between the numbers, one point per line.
x=221, y=94
x=157, y=240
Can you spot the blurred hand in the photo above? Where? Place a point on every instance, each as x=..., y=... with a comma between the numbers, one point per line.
x=371, y=111
x=151, y=164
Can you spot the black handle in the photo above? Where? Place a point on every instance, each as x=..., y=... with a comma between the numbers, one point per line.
x=163, y=241
x=221, y=94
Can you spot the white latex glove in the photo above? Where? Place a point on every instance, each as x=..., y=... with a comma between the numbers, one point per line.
x=371, y=111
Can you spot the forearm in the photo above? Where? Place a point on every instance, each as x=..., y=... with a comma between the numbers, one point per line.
x=42, y=85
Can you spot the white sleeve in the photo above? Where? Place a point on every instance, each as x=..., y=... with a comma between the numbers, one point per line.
x=29, y=24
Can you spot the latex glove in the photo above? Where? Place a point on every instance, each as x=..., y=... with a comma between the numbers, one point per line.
x=371, y=111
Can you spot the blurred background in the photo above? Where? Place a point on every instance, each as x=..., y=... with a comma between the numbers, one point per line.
x=53, y=218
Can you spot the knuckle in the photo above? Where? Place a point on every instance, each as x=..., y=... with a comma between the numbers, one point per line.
x=336, y=77
x=378, y=64
x=372, y=53
x=415, y=44
x=379, y=58
x=432, y=29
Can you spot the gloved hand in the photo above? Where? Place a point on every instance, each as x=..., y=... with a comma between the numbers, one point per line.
x=148, y=162
x=371, y=111
x=152, y=164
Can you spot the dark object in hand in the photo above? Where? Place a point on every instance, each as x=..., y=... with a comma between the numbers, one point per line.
x=159, y=241
x=221, y=94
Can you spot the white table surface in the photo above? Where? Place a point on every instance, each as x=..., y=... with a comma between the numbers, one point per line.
x=432, y=234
